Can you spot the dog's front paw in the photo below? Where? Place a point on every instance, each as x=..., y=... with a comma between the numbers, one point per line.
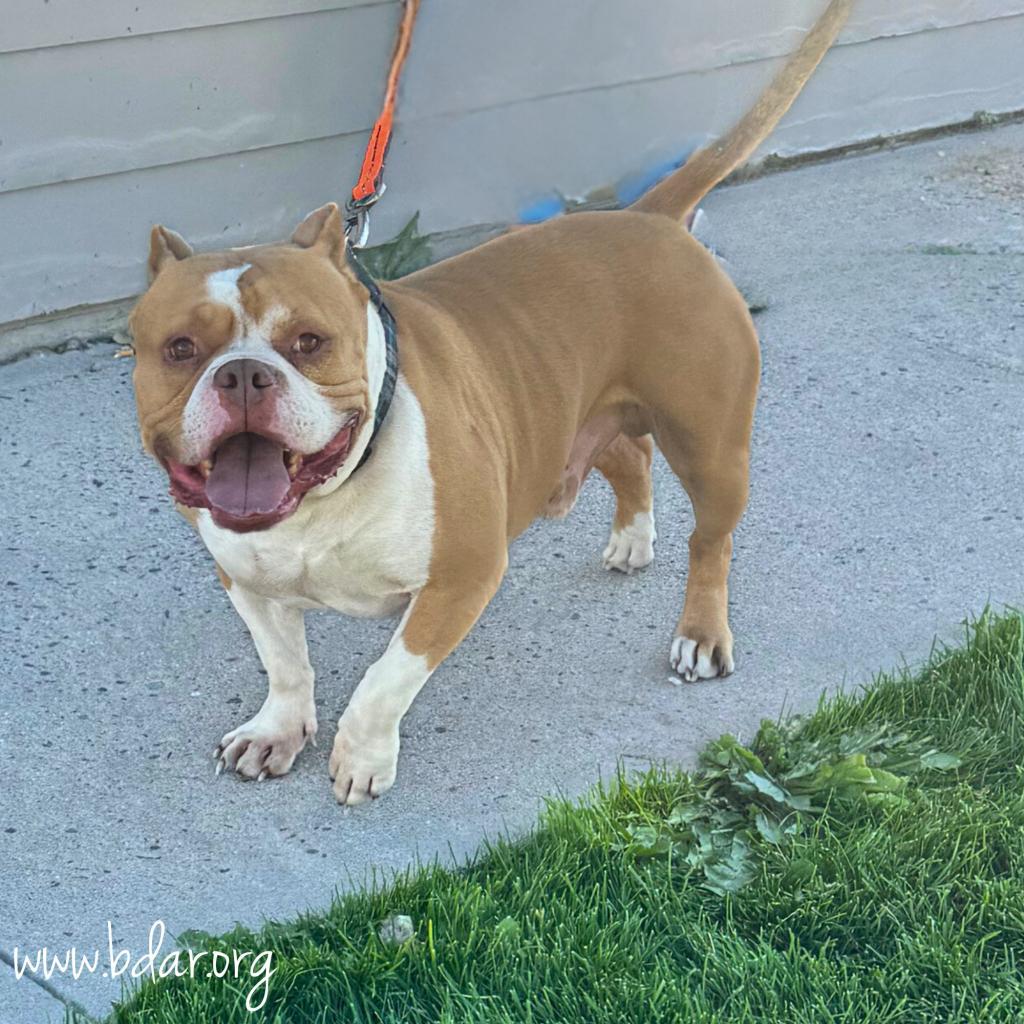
x=632, y=547
x=703, y=658
x=269, y=742
x=363, y=763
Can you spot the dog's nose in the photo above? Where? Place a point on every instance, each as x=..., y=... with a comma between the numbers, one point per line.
x=245, y=381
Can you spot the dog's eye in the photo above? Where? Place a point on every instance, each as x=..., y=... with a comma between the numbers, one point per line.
x=180, y=349
x=306, y=344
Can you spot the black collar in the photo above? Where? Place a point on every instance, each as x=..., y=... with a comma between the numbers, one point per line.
x=387, y=388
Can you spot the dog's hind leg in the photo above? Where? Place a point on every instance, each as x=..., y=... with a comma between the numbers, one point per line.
x=717, y=485
x=626, y=465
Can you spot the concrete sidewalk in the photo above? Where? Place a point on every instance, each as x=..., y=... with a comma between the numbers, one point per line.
x=887, y=503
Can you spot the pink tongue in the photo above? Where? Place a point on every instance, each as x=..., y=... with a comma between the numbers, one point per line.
x=249, y=476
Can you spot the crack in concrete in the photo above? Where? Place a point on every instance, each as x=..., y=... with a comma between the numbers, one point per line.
x=79, y=1015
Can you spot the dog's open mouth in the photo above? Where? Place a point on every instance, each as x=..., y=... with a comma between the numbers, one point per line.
x=252, y=482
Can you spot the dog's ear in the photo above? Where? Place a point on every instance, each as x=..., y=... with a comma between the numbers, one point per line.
x=324, y=232
x=165, y=245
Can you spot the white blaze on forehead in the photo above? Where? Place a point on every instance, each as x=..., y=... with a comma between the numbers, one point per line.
x=222, y=286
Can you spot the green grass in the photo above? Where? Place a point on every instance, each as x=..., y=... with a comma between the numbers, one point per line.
x=891, y=893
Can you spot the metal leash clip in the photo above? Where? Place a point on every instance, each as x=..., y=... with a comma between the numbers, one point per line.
x=357, y=217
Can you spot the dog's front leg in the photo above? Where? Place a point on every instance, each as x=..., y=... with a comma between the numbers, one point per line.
x=365, y=756
x=268, y=743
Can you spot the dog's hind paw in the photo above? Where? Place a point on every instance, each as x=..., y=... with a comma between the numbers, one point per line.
x=632, y=547
x=694, y=660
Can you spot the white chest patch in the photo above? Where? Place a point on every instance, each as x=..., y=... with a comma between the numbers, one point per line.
x=361, y=548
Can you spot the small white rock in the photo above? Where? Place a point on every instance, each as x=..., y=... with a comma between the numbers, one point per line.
x=396, y=930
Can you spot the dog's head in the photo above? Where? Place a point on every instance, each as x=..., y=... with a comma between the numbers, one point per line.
x=253, y=370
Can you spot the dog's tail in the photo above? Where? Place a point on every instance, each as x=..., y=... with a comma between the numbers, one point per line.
x=679, y=193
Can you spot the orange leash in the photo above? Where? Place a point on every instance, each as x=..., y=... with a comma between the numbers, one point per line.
x=370, y=187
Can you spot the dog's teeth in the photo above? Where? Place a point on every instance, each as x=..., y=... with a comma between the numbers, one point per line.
x=294, y=463
x=206, y=467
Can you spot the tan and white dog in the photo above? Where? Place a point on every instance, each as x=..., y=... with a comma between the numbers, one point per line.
x=523, y=364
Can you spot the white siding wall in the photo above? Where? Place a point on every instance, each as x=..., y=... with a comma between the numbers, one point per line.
x=229, y=119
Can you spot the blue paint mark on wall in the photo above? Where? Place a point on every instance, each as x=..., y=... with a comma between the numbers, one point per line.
x=629, y=190
x=542, y=209
x=633, y=186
